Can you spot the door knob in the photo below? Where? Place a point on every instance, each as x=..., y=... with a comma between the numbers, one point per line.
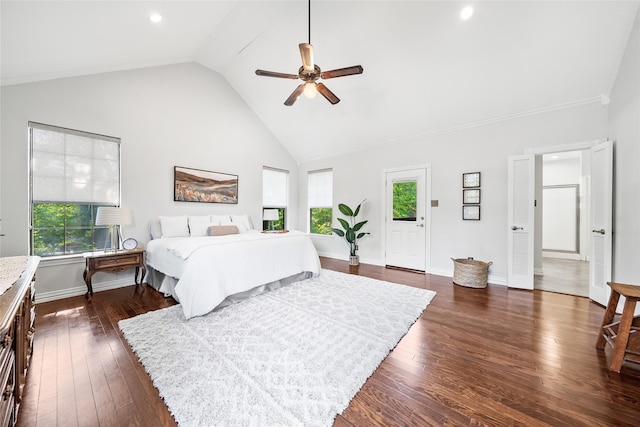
x=419, y=225
x=514, y=228
x=601, y=231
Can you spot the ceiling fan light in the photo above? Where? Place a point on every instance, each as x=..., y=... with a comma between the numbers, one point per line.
x=155, y=18
x=466, y=13
x=310, y=90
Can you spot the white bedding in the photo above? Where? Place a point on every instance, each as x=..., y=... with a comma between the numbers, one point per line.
x=211, y=268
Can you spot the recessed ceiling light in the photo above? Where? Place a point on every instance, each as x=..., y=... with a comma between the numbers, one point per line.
x=155, y=17
x=466, y=13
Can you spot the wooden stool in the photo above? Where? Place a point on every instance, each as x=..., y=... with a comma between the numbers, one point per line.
x=617, y=333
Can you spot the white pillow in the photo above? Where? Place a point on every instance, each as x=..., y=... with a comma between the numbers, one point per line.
x=242, y=222
x=221, y=220
x=174, y=226
x=198, y=225
x=155, y=229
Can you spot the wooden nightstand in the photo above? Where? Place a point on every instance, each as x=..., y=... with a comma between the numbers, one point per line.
x=112, y=262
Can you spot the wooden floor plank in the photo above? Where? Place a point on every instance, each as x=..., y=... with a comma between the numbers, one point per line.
x=492, y=356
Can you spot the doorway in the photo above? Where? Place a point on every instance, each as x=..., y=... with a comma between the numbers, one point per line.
x=406, y=222
x=524, y=216
x=563, y=266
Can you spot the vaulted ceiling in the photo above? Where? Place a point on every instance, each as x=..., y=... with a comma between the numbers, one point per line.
x=425, y=69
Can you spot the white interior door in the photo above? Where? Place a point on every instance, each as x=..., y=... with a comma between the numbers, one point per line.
x=405, y=224
x=521, y=210
x=601, y=223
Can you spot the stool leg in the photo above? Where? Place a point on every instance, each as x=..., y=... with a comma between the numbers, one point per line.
x=623, y=335
x=608, y=317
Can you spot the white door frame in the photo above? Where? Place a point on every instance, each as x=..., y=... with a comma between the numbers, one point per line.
x=586, y=145
x=427, y=210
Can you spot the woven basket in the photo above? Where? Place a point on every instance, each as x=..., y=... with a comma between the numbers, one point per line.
x=470, y=273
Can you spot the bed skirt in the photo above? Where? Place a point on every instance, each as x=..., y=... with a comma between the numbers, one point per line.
x=167, y=285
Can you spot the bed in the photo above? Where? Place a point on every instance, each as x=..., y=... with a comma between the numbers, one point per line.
x=205, y=272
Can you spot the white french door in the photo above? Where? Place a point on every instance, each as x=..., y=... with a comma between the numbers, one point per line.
x=521, y=210
x=405, y=219
x=601, y=222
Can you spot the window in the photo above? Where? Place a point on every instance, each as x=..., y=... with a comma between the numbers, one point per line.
x=72, y=174
x=405, y=200
x=274, y=197
x=320, y=201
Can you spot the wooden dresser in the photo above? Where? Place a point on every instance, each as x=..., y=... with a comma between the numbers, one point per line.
x=17, y=314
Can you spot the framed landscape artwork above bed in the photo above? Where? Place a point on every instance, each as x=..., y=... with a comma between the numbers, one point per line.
x=195, y=185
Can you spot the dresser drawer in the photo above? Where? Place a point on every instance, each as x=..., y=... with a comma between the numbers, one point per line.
x=7, y=411
x=117, y=262
x=7, y=384
x=6, y=346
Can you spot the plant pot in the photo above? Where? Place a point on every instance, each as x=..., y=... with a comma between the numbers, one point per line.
x=354, y=260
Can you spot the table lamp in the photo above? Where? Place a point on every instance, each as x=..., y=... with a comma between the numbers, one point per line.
x=270, y=215
x=114, y=217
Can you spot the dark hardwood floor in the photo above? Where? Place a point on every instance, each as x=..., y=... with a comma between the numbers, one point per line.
x=493, y=356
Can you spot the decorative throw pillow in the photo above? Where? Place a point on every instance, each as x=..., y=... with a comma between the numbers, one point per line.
x=222, y=230
x=198, y=225
x=174, y=226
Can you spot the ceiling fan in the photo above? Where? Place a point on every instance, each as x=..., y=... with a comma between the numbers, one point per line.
x=309, y=73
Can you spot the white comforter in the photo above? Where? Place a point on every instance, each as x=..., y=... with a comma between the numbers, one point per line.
x=216, y=267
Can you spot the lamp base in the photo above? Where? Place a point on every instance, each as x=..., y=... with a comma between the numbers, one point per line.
x=114, y=239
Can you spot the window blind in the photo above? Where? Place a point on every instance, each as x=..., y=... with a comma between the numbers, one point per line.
x=321, y=189
x=274, y=187
x=71, y=166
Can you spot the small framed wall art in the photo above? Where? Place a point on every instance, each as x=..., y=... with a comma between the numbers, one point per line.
x=471, y=197
x=471, y=212
x=471, y=180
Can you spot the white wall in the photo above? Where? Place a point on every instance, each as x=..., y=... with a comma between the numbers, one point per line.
x=624, y=130
x=559, y=215
x=482, y=148
x=184, y=115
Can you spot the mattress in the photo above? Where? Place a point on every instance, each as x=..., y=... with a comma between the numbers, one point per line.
x=207, y=270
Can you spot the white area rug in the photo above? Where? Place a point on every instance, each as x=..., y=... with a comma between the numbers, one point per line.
x=295, y=356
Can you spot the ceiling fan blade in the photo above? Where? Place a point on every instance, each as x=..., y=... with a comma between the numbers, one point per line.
x=306, y=53
x=341, y=72
x=274, y=74
x=324, y=91
x=294, y=95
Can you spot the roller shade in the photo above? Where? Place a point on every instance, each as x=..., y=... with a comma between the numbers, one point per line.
x=321, y=189
x=74, y=167
x=274, y=187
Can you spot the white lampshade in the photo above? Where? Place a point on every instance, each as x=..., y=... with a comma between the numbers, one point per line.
x=113, y=216
x=270, y=215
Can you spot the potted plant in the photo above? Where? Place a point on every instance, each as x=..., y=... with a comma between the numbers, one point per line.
x=351, y=232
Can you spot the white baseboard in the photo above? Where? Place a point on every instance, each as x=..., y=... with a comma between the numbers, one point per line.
x=494, y=280
x=345, y=257
x=562, y=255
x=80, y=290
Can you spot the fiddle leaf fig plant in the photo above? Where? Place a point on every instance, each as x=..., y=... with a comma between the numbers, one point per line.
x=351, y=232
